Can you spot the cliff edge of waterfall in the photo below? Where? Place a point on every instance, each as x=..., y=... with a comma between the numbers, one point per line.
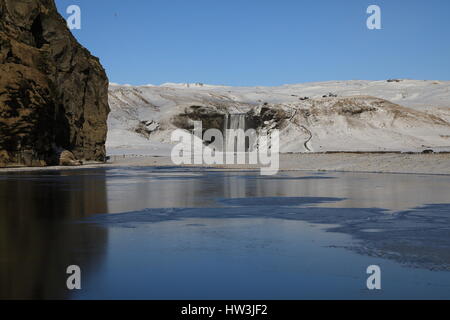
x=54, y=93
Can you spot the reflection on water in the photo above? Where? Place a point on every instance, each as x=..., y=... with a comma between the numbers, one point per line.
x=37, y=242
x=186, y=188
x=193, y=233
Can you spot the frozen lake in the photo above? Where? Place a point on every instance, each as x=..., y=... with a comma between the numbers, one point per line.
x=174, y=233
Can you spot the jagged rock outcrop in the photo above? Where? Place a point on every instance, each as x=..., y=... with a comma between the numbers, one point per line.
x=53, y=92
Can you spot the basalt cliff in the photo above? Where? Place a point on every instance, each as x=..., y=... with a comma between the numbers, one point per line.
x=53, y=92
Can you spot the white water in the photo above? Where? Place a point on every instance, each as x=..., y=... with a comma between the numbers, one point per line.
x=232, y=123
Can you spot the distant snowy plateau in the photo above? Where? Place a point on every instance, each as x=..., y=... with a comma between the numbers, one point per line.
x=393, y=115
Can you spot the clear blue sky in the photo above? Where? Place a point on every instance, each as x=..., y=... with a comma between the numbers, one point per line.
x=261, y=42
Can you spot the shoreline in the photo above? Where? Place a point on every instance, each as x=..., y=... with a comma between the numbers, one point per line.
x=367, y=162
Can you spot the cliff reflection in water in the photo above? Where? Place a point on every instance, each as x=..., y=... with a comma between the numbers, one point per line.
x=36, y=242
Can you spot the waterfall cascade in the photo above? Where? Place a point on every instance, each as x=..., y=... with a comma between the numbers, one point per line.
x=236, y=121
x=233, y=122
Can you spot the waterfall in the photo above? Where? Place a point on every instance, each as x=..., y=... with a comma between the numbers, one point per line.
x=237, y=121
x=233, y=122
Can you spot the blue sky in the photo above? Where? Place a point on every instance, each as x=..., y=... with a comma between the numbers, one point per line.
x=261, y=42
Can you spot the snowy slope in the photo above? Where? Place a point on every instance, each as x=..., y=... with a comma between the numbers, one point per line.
x=415, y=116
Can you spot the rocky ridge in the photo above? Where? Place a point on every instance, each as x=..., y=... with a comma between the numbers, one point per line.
x=53, y=92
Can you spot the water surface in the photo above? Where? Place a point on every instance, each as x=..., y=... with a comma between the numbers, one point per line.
x=172, y=233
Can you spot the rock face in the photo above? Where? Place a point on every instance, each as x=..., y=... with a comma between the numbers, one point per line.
x=53, y=92
x=66, y=158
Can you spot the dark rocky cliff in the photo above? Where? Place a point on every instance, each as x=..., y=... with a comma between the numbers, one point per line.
x=53, y=92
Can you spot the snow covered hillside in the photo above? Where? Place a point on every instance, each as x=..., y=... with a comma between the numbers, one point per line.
x=393, y=115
